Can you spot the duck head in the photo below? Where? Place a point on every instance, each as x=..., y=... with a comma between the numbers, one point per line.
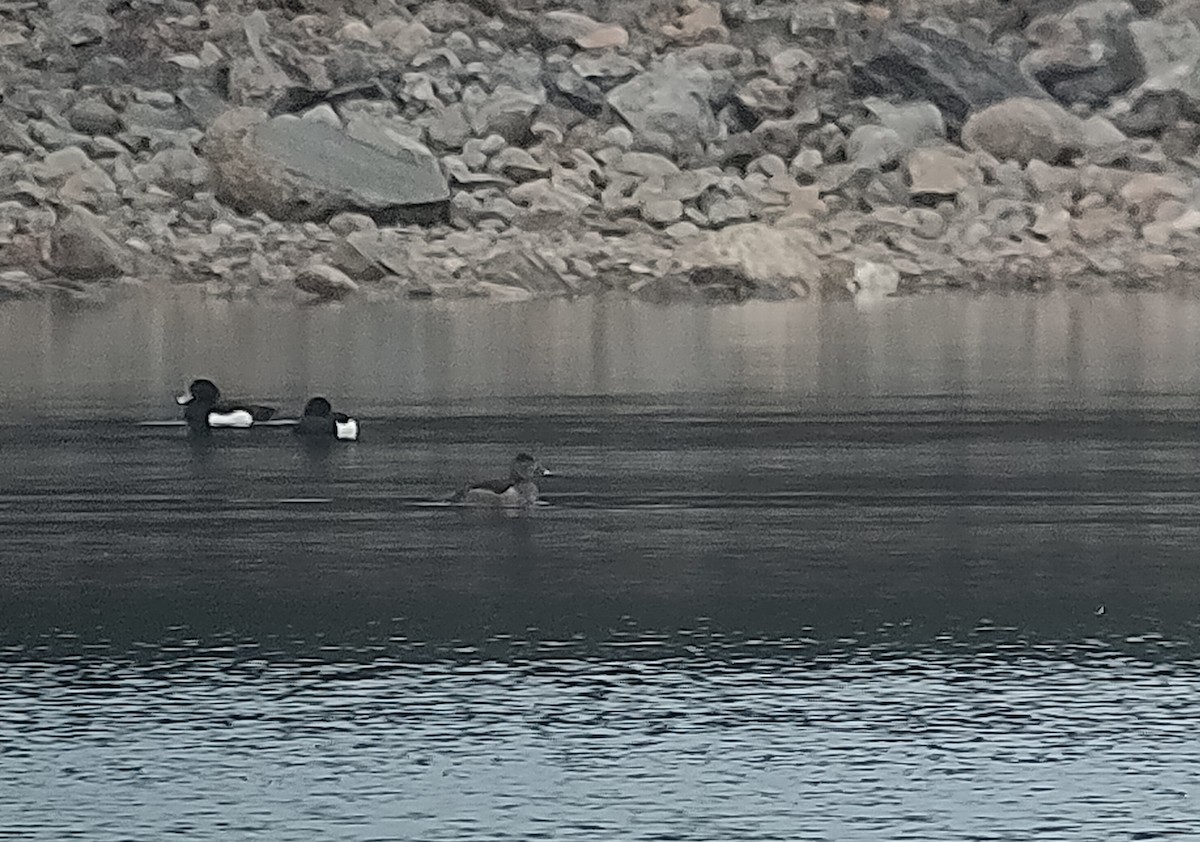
x=201, y=391
x=318, y=408
x=526, y=469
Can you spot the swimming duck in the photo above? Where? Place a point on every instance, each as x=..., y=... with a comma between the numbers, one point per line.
x=519, y=489
x=319, y=420
x=204, y=409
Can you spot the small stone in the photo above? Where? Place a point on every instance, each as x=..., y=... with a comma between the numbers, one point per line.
x=325, y=282
x=323, y=113
x=1052, y=223
x=682, y=230
x=492, y=144
x=517, y=164
x=94, y=116
x=343, y=224
x=702, y=22
x=927, y=224
x=359, y=33
x=938, y=172
x=873, y=280
x=662, y=211
x=792, y=65
x=805, y=165
x=618, y=136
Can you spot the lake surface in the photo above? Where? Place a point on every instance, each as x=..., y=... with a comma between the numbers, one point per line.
x=927, y=572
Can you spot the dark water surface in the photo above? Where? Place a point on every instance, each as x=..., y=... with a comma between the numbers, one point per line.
x=808, y=573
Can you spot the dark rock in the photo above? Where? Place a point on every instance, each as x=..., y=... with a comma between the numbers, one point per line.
x=579, y=93
x=1087, y=54
x=913, y=62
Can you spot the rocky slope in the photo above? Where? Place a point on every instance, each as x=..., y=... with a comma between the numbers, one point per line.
x=516, y=148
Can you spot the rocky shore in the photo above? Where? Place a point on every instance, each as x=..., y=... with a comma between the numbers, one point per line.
x=716, y=150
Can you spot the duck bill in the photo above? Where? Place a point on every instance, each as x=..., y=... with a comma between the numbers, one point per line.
x=183, y=400
x=546, y=473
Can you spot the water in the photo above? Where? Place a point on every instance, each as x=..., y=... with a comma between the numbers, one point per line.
x=926, y=573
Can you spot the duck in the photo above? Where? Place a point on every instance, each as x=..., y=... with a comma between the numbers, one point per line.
x=519, y=489
x=204, y=409
x=319, y=420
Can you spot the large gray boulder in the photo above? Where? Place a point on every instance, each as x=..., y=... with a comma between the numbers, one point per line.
x=912, y=62
x=668, y=107
x=80, y=247
x=309, y=170
x=1170, y=54
x=1023, y=129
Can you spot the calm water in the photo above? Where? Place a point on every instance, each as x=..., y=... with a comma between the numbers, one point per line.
x=924, y=573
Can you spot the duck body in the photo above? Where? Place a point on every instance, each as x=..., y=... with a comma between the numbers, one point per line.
x=518, y=490
x=204, y=409
x=320, y=421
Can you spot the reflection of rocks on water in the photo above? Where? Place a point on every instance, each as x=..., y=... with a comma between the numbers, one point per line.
x=700, y=150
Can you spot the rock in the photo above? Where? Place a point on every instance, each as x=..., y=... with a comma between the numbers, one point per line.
x=726, y=210
x=14, y=138
x=701, y=22
x=323, y=113
x=1144, y=193
x=645, y=164
x=792, y=65
x=301, y=169
x=927, y=224
x=81, y=22
x=94, y=116
x=1052, y=223
x=562, y=27
x=1101, y=224
x=618, y=136
x=682, y=230
x=444, y=15
x=549, y=201
x=766, y=96
x=325, y=282
x=508, y=112
x=582, y=95
x=915, y=123
x=449, y=128
x=605, y=69
x=939, y=173
x=668, y=107
x=873, y=280
x=1167, y=49
x=874, y=147
x=1085, y=55
x=1046, y=180
x=805, y=165
x=662, y=211
x=770, y=259
x=181, y=171
x=517, y=164
x=1023, y=129
x=81, y=248
x=914, y=62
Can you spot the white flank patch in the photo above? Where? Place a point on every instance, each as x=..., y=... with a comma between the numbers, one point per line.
x=237, y=418
x=347, y=430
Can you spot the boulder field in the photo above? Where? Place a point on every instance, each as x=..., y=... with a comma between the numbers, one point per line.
x=711, y=151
